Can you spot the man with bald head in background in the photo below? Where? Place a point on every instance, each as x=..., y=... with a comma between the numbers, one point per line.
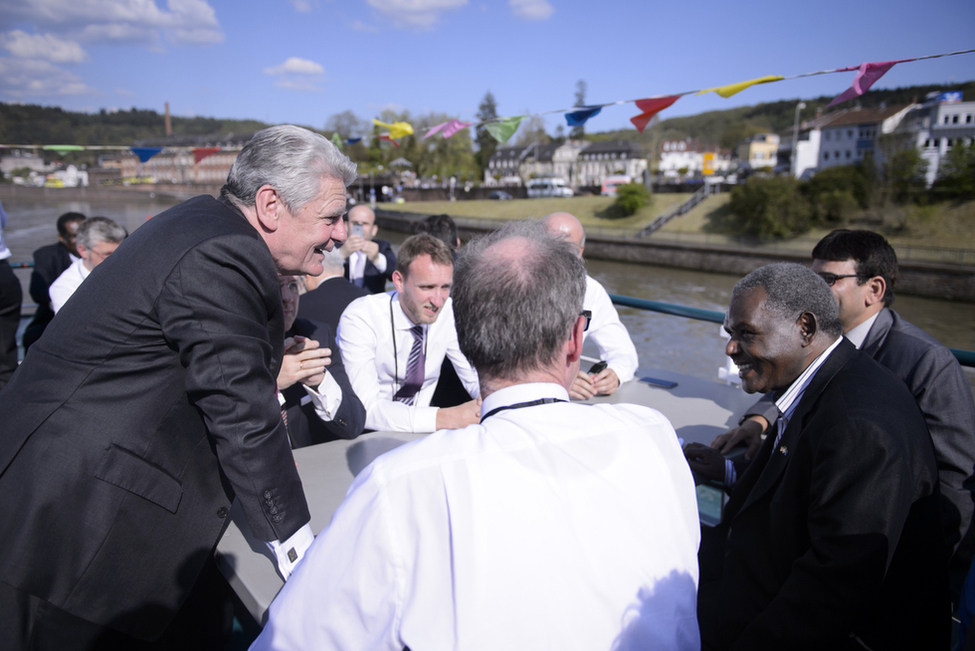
x=606, y=330
x=369, y=263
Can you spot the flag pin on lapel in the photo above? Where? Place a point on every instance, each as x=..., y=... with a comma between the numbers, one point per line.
x=784, y=450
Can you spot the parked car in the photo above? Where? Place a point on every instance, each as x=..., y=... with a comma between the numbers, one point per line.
x=500, y=195
x=548, y=187
x=610, y=183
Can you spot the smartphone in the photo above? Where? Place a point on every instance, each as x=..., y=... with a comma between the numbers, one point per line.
x=657, y=382
x=598, y=367
x=357, y=230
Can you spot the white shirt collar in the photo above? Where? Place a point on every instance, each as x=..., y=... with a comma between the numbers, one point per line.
x=795, y=390
x=523, y=393
x=859, y=333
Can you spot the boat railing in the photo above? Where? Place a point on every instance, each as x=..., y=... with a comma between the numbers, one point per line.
x=965, y=357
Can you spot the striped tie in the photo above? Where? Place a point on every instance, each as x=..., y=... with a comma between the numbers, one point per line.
x=414, y=368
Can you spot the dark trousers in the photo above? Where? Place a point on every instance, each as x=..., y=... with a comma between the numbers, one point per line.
x=11, y=297
x=28, y=623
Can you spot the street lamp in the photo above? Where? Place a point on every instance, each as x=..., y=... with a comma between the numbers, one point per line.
x=793, y=168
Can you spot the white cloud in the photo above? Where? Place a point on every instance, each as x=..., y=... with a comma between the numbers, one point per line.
x=301, y=6
x=415, y=14
x=531, y=9
x=298, y=74
x=296, y=66
x=124, y=93
x=388, y=106
x=23, y=78
x=359, y=26
x=41, y=46
x=182, y=21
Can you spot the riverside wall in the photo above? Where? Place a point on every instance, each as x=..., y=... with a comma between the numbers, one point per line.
x=952, y=282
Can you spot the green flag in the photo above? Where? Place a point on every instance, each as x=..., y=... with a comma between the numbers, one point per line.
x=503, y=130
x=337, y=140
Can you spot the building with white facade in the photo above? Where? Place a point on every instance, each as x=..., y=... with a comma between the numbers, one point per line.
x=691, y=156
x=944, y=121
x=609, y=158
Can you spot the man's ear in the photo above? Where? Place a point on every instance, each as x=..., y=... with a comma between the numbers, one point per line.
x=808, y=327
x=268, y=206
x=874, y=290
x=398, y=280
x=576, y=339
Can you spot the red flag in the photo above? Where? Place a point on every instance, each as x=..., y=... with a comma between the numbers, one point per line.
x=650, y=108
x=386, y=137
x=202, y=152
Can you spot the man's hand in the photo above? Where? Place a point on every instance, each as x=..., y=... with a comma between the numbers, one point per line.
x=750, y=431
x=606, y=382
x=705, y=462
x=353, y=244
x=582, y=387
x=303, y=362
x=371, y=249
x=459, y=416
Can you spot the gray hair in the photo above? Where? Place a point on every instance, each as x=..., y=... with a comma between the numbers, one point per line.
x=792, y=290
x=513, y=314
x=333, y=260
x=291, y=160
x=100, y=229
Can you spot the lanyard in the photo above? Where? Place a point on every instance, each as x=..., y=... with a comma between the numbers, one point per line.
x=521, y=405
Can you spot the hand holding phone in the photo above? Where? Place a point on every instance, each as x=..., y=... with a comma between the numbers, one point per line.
x=598, y=367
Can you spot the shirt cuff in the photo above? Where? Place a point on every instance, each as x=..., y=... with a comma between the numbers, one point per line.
x=730, y=474
x=327, y=397
x=290, y=552
x=380, y=264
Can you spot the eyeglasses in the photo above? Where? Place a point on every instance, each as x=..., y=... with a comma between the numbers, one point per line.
x=832, y=278
x=588, y=315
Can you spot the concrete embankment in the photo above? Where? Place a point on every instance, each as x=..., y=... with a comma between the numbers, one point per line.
x=953, y=282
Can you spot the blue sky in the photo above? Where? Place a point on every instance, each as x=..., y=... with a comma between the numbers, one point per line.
x=301, y=61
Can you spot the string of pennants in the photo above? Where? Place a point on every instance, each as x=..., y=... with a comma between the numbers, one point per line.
x=502, y=128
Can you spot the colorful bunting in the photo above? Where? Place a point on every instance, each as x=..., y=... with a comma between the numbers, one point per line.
x=337, y=140
x=503, y=130
x=731, y=89
x=867, y=74
x=145, y=153
x=396, y=129
x=578, y=118
x=650, y=108
x=63, y=148
x=388, y=138
x=352, y=141
x=448, y=129
x=202, y=152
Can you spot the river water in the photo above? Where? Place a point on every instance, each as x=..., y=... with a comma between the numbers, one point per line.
x=663, y=341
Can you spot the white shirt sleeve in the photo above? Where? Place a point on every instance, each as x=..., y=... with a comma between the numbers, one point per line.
x=608, y=332
x=326, y=397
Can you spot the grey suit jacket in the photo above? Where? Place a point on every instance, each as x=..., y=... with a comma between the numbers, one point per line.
x=938, y=383
x=132, y=423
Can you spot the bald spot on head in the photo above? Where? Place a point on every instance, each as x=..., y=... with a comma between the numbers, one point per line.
x=563, y=224
x=511, y=255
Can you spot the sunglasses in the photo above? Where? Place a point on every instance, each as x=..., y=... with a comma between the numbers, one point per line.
x=588, y=315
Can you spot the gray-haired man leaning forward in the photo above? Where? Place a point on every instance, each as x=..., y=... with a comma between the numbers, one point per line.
x=150, y=403
x=549, y=525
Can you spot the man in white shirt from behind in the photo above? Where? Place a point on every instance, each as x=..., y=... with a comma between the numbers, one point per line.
x=376, y=339
x=606, y=330
x=549, y=525
x=98, y=237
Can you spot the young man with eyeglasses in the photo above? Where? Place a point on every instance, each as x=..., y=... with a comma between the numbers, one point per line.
x=860, y=268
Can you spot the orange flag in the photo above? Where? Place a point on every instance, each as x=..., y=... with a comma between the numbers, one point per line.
x=650, y=108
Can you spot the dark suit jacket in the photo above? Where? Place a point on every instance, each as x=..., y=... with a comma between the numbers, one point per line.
x=129, y=428
x=374, y=281
x=326, y=302
x=833, y=530
x=938, y=384
x=304, y=426
x=49, y=262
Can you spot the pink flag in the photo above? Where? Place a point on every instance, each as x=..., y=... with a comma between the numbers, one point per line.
x=867, y=74
x=435, y=130
x=650, y=108
x=448, y=128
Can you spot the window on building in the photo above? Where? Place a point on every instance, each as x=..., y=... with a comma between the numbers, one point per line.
x=825, y=155
x=849, y=133
x=954, y=119
x=849, y=154
x=827, y=135
x=947, y=118
x=968, y=119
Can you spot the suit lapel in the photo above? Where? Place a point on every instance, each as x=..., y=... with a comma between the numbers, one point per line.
x=878, y=333
x=779, y=457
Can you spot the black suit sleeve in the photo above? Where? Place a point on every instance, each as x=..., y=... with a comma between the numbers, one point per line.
x=214, y=310
x=387, y=250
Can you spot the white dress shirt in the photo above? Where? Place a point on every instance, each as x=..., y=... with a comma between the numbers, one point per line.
x=365, y=337
x=608, y=332
x=357, y=265
x=553, y=526
x=67, y=283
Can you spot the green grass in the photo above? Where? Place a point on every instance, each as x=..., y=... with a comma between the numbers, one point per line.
x=593, y=212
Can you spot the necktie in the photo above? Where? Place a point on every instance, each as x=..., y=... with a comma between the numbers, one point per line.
x=414, y=368
x=359, y=270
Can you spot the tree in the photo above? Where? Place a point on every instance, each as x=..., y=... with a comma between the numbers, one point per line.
x=772, y=206
x=956, y=176
x=486, y=144
x=579, y=132
x=531, y=131
x=631, y=197
x=904, y=175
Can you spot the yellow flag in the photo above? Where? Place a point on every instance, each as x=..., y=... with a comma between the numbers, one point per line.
x=396, y=129
x=731, y=89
